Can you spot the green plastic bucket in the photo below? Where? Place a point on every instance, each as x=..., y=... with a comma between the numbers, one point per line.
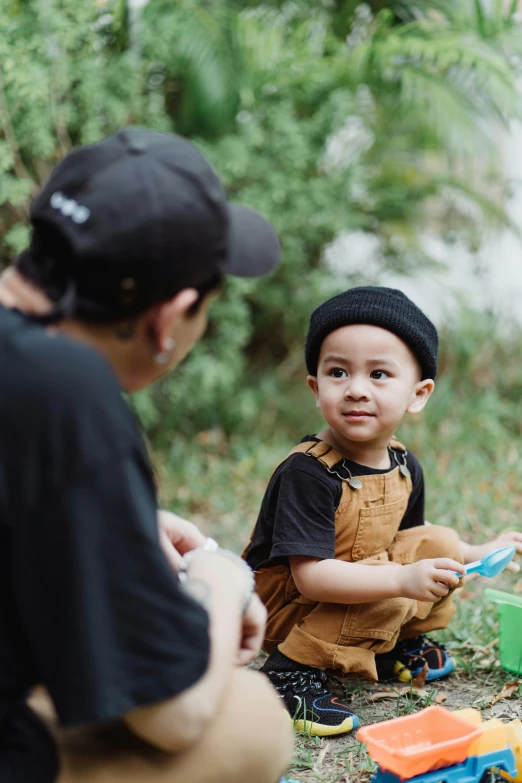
x=510, y=628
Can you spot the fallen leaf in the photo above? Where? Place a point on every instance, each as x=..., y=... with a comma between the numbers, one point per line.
x=440, y=697
x=420, y=679
x=409, y=691
x=381, y=695
x=396, y=693
x=518, y=586
x=508, y=689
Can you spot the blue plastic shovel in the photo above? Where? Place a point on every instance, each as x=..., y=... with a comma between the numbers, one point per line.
x=493, y=563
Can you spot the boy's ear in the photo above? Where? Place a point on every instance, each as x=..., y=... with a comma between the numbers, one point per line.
x=313, y=385
x=421, y=394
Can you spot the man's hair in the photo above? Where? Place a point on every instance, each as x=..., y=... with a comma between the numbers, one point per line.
x=50, y=274
x=214, y=284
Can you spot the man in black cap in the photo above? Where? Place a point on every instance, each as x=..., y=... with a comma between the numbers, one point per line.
x=131, y=239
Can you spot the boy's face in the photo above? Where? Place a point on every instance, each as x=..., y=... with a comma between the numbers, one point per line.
x=367, y=379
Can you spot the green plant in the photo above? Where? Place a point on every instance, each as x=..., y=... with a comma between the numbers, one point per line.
x=366, y=125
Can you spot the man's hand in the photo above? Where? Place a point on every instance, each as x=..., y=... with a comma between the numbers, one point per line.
x=177, y=536
x=429, y=580
x=472, y=552
x=253, y=631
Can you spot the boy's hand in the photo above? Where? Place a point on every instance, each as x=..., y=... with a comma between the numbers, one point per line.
x=474, y=552
x=429, y=580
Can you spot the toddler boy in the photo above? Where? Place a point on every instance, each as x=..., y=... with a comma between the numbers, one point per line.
x=351, y=575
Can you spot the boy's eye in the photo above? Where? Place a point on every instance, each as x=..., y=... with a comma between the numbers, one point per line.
x=379, y=375
x=338, y=372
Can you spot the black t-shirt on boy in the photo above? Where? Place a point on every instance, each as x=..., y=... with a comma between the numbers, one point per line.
x=297, y=515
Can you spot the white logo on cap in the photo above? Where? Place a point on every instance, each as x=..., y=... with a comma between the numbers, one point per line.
x=70, y=208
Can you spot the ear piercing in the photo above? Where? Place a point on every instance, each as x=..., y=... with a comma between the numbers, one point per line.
x=162, y=357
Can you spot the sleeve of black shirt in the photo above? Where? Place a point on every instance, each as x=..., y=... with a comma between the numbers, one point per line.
x=414, y=514
x=304, y=517
x=106, y=623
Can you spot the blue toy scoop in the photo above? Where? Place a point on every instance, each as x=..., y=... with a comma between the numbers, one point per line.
x=493, y=563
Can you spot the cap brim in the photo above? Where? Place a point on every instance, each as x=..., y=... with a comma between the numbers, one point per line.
x=254, y=248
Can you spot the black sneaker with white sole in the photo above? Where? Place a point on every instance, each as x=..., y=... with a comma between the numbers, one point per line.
x=312, y=707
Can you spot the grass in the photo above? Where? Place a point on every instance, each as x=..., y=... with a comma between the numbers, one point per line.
x=469, y=443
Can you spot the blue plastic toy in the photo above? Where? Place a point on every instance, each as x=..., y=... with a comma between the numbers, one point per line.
x=470, y=771
x=492, y=564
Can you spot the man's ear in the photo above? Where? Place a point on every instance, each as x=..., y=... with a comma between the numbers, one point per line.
x=314, y=386
x=165, y=316
x=421, y=394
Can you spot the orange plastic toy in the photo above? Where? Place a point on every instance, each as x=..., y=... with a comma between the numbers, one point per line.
x=414, y=744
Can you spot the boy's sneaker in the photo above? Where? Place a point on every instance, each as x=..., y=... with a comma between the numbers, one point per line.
x=409, y=656
x=311, y=705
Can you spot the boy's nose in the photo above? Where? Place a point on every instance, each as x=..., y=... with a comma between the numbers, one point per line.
x=356, y=390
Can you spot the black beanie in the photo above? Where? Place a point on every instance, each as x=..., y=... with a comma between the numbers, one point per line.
x=384, y=307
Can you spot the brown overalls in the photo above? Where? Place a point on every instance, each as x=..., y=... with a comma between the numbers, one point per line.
x=346, y=637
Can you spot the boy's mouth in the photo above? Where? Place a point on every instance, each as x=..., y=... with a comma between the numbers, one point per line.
x=358, y=415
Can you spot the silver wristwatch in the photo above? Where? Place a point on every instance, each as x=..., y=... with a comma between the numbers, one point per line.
x=212, y=547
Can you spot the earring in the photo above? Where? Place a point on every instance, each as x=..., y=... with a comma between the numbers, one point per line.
x=162, y=357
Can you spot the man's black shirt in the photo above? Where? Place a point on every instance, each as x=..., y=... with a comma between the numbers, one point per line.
x=88, y=604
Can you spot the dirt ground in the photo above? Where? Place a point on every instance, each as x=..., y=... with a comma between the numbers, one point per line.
x=344, y=759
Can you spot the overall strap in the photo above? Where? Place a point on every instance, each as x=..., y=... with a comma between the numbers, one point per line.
x=321, y=451
x=326, y=454
x=395, y=444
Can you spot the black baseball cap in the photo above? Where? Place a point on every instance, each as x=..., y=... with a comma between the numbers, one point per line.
x=140, y=215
